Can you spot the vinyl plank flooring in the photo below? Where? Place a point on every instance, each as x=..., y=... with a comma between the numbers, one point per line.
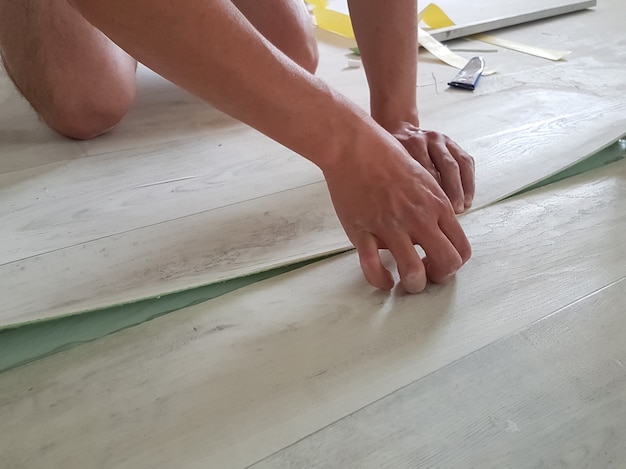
x=55, y=237
x=72, y=219
x=551, y=395
x=201, y=248
x=537, y=108
x=55, y=206
x=214, y=246
x=231, y=381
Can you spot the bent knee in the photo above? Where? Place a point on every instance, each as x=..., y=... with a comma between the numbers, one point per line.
x=87, y=116
x=309, y=57
x=304, y=52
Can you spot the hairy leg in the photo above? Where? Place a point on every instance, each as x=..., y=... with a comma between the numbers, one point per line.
x=82, y=84
x=287, y=25
x=79, y=82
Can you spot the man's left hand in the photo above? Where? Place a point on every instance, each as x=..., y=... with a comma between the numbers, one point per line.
x=450, y=165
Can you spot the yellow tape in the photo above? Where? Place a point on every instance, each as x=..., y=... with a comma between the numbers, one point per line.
x=434, y=17
x=549, y=54
x=330, y=19
x=334, y=20
x=444, y=54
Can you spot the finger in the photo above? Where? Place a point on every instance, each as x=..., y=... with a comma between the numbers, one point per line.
x=410, y=266
x=450, y=175
x=467, y=170
x=418, y=149
x=443, y=260
x=371, y=265
x=452, y=229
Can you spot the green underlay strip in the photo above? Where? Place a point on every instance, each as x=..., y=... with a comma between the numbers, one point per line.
x=610, y=154
x=26, y=343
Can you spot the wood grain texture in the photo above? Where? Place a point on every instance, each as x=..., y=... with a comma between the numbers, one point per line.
x=229, y=382
x=65, y=233
x=551, y=395
x=58, y=206
x=209, y=247
x=55, y=206
x=70, y=221
x=192, y=250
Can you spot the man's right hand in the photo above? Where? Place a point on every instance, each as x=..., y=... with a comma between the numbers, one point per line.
x=387, y=200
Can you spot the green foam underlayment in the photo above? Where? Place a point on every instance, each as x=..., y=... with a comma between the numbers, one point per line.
x=23, y=344
x=610, y=154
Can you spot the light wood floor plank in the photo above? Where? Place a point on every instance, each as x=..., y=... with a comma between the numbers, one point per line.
x=549, y=396
x=229, y=382
x=209, y=247
x=68, y=224
x=55, y=206
x=64, y=232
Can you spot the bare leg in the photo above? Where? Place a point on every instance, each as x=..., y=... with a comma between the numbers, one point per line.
x=287, y=25
x=79, y=82
x=82, y=84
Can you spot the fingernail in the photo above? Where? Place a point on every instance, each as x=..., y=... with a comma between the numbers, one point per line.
x=414, y=283
x=447, y=278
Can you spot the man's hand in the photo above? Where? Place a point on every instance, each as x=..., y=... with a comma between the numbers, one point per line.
x=386, y=200
x=386, y=33
x=447, y=162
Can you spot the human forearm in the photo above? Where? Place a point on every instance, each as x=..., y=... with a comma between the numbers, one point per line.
x=386, y=33
x=209, y=48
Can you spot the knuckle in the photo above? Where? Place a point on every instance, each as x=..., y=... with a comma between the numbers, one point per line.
x=467, y=160
x=450, y=162
x=443, y=138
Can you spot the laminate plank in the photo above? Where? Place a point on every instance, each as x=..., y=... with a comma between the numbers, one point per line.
x=68, y=206
x=231, y=381
x=51, y=207
x=54, y=236
x=205, y=248
x=65, y=224
x=551, y=395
